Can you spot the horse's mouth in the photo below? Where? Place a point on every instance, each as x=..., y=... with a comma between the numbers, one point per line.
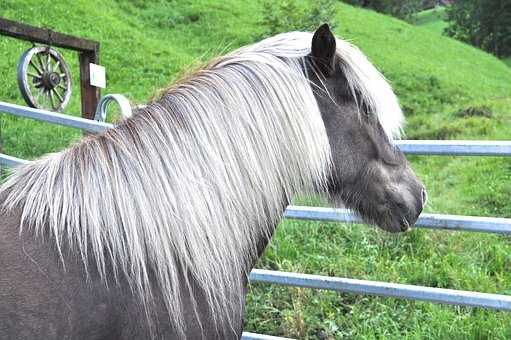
x=405, y=226
x=396, y=227
x=398, y=224
x=388, y=219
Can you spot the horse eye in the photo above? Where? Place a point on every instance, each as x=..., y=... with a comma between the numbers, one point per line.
x=390, y=162
x=390, y=157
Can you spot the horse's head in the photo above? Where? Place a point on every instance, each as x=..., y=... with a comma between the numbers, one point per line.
x=370, y=174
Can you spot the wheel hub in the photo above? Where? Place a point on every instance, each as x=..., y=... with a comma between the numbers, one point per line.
x=50, y=80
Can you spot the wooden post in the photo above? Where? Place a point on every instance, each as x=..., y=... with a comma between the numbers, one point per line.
x=90, y=94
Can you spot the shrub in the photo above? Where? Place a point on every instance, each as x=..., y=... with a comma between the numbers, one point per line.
x=471, y=111
x=482, y=23
x=293, y=15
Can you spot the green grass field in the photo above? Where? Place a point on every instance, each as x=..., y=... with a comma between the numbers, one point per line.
x=145, y=44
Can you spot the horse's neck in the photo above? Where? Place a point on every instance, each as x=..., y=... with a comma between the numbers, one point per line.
x=265, y=236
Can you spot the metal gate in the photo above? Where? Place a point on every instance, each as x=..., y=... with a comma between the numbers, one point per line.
x=431, y=221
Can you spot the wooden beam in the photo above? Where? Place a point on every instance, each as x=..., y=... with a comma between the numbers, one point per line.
x=46, y=36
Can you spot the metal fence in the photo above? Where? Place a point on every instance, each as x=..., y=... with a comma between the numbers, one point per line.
x=432, y=221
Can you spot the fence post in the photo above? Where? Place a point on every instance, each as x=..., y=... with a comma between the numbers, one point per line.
x=90, y=94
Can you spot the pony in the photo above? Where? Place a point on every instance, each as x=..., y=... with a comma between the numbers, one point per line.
x=150, y=229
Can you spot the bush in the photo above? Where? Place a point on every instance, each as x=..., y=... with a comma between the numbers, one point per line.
x=293, y=15
x=472, y=111
x=482, y=23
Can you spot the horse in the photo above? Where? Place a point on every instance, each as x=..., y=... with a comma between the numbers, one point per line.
x=150, y=229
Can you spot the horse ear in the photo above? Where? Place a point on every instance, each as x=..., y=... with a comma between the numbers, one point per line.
x=323, y=49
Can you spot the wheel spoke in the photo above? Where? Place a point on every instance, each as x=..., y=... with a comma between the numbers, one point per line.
x=35, y=66
x=41, y=64
x=47, y=95
x=41, y=97
x=56, y=66
x=37, y=95
x=50, y=92
x=34, y=75
x=62, y=86
x=58, y=95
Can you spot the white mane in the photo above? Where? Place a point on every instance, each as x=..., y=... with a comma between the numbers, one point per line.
x=192, y=180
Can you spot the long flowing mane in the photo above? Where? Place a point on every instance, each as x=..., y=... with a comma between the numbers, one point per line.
x=191, y=182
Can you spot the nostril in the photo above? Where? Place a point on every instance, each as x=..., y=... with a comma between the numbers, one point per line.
x=424, y=196
x=402, y=206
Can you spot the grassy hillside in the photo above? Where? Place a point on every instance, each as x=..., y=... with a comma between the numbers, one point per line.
x=442, y=84
x=434, y=21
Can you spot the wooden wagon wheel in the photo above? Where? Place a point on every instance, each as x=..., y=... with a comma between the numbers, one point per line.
x=44, y=79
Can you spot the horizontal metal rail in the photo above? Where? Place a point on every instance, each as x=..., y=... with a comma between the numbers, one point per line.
x=455, y=147
x=415, y=147
x=396, y=290
x=254, y=336
x=430, y=221
x=54, y=118
x=11, y=161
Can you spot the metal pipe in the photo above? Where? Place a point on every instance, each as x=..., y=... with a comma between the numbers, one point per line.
x=11, y=161
x=396, y=290
x=455, y=147
x=430, y=221
x=54, y=118
x=413, y=147
x=254, y=336
x=105, y=101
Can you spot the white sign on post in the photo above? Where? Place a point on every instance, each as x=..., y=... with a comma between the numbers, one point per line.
x=97, y=75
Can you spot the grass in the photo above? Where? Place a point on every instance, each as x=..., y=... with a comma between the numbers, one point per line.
x=146, y=44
